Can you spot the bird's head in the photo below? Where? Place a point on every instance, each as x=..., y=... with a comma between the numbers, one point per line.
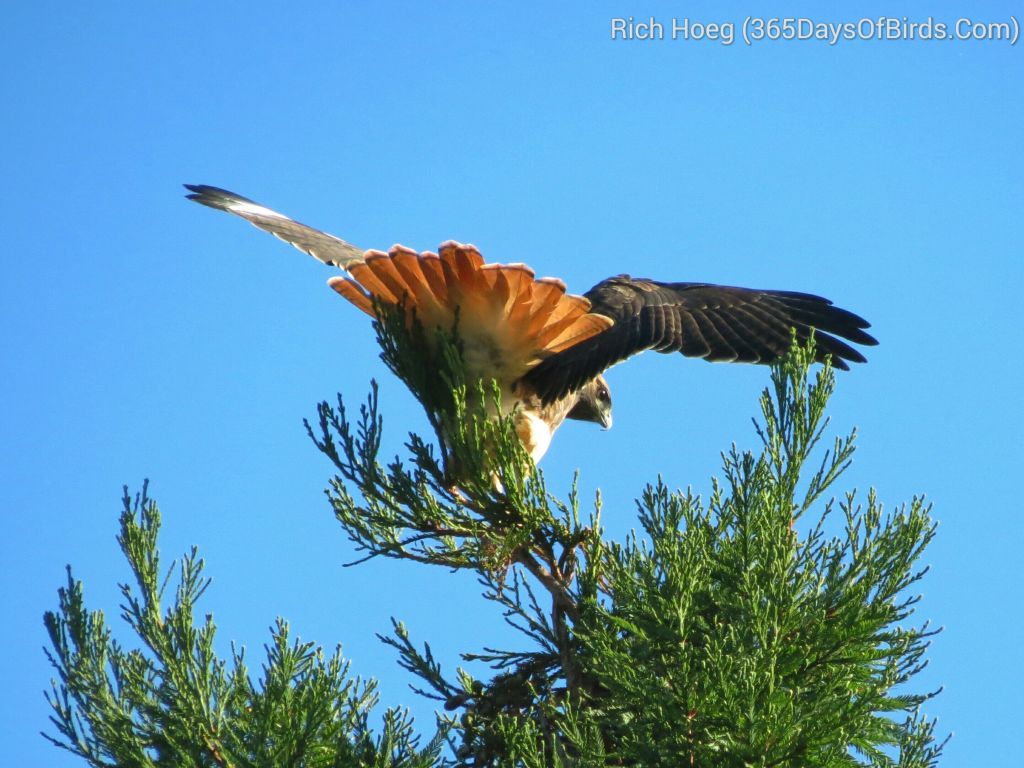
x=594, y=403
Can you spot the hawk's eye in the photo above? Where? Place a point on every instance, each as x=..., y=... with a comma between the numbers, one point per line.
x=604, y=395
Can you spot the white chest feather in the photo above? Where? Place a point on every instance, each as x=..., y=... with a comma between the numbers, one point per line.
x=534, y=432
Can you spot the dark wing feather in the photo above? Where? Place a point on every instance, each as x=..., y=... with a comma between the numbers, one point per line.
x=320, y=245
x=718, y=323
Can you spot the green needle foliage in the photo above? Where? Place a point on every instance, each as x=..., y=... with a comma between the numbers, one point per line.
x=170, y=701
x=767, y=625
x=722, y=637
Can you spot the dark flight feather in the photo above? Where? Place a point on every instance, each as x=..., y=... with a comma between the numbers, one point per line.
x=718, y=323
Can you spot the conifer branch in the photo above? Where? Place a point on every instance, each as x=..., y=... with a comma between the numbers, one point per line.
x=171, y=702
x=723, y=617
x=735, y=630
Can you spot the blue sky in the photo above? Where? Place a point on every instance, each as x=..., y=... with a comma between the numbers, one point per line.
x=145, y=336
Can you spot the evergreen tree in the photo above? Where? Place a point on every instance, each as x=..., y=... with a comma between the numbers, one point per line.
x=719, y=636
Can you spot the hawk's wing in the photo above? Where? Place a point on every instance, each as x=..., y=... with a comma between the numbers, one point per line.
x=715, y=322
x=320, y=245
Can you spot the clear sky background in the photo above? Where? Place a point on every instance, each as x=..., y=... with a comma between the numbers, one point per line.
x=144, y=336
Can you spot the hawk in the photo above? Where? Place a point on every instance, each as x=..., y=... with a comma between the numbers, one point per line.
x=546, y=348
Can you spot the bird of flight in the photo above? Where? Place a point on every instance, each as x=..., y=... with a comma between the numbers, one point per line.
x=547, y=349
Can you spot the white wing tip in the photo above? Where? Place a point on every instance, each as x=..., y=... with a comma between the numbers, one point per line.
x=254, y=209
x=225, y=200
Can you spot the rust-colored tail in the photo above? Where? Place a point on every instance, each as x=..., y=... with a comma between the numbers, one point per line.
x=502, y=308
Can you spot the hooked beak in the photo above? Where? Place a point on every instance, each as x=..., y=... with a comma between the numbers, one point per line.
x=606, y=421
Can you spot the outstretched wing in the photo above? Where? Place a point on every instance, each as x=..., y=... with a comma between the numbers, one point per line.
x=320, y=245
x=715, y=322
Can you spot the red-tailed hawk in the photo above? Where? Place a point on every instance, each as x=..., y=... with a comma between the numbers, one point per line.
x=547, y=348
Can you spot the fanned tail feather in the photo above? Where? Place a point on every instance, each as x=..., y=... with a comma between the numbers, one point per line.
x=504, y=312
